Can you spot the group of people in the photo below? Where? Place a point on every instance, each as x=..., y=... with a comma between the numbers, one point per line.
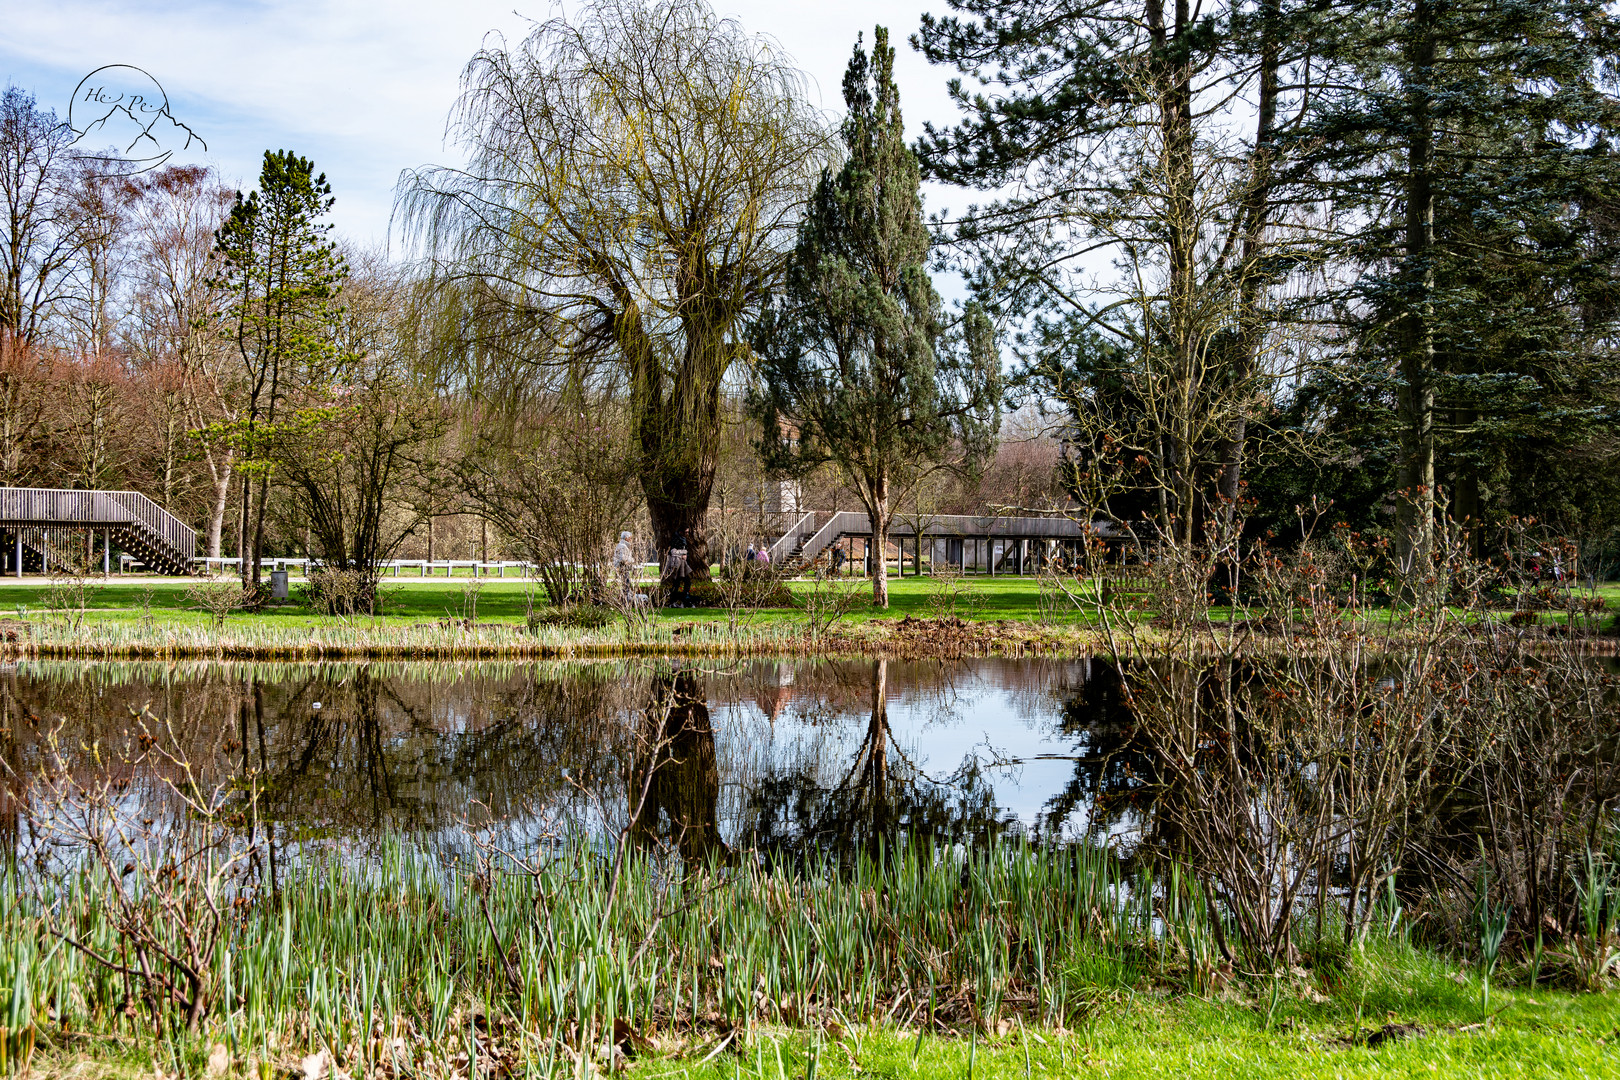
x=676, y=568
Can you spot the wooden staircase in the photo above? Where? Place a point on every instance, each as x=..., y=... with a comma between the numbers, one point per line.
x=136, y=524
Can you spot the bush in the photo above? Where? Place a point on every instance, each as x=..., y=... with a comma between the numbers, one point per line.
x=766, y=594
x=341, y=592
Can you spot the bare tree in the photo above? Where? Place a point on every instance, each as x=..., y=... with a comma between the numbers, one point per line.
x=40, y=239
x=557, y=478
x=173, y=215
x=357, y=439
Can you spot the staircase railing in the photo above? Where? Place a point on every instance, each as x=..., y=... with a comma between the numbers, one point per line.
x=66, y=507
x=784, y=547
x=175, y=534
x=845, y=521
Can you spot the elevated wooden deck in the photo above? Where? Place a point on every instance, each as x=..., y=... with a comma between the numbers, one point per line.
x=42, y=519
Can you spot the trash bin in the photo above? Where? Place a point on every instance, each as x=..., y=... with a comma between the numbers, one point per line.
x=278, y=584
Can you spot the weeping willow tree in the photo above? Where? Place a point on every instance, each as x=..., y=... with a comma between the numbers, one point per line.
x=633, y=179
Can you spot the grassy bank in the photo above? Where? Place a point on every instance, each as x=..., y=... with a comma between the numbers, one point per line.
x=408, y=601
x=1010, y=963
x=456, y=619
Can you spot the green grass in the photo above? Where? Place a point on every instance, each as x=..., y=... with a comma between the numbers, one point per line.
x=416, y=608
x=1191, y=1040
x=411, y=600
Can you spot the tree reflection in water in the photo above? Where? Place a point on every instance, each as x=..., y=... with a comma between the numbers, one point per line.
x=882, y=797
x=363, y=752
x=681, y=797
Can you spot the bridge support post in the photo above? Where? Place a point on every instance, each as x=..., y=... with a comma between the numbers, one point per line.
x=106, y=553
x=19, y=553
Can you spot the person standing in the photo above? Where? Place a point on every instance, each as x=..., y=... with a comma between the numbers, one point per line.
x=679, y=573
x=624, y=561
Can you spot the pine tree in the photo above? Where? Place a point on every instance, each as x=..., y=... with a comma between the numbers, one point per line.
x=283, y=276
x=1107, y=131
x=855, y=365
x=1469, y=142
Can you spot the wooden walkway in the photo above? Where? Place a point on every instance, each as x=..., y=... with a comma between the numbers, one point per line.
x=1010, y=543
x=53, y=523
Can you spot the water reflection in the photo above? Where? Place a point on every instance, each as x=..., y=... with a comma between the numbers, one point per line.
x=679, y=797
x=784, y=756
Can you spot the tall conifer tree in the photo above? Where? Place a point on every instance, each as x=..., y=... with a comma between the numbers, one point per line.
x=1468, y=144
x=282, y=275
x=855, y=364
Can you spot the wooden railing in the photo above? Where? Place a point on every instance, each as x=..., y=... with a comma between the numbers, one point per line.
x=175, y=534
x=57, y=507
x=855, y=523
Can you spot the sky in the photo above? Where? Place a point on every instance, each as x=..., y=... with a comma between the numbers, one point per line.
x=363, y=89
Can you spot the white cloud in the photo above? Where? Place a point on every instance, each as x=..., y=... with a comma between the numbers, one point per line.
x=364, y=88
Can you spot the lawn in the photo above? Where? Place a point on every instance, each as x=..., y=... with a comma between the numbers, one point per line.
x=409, y=601
x=413, y=600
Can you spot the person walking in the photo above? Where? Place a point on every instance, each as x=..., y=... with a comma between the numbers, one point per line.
x=624, y=561
x=678, y=573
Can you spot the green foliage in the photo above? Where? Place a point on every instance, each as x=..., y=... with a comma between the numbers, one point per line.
x=282, y=276
x=854, y=362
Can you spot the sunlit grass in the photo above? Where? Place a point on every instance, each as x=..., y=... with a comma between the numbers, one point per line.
x=1014, y=962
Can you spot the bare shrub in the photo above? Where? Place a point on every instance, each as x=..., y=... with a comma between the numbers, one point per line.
x=559, y=480
x=741, y=586
x=827, y=600
x=342, y=592
x=215, y=596
x=951, y=594
x=169, y=885
x=70, y=592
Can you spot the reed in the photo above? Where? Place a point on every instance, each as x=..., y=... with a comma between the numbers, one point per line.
x=395, y=957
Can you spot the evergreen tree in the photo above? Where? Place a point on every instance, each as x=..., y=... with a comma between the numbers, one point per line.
x=1468, y=143
x=282, y=276
x=854, y=362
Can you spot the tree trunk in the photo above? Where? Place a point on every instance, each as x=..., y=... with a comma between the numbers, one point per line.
x=670, y=522
x=677, y=425
x=877, y=746
x=1257, y=214
x=222, y=499
x=252, y=581
x=1416, y=406
x=242, y=527
x=878, y=512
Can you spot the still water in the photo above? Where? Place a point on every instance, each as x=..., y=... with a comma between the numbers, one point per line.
x=704, y=757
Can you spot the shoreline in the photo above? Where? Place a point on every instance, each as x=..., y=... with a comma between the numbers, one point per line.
x=908, y=638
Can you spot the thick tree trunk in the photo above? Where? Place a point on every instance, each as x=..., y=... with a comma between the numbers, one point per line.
x=677, y=425
x=1416, y=405
x=670, y=522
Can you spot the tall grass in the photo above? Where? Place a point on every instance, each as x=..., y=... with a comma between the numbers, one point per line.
x=398, y=956
x=363, y=639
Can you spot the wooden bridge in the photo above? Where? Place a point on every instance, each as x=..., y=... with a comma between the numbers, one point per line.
x=990, y=542
x=53, y=525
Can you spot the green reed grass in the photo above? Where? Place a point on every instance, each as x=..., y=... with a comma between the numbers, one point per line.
x=399, y=955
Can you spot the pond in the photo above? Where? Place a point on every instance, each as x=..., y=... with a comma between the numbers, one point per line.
x=771, y=755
